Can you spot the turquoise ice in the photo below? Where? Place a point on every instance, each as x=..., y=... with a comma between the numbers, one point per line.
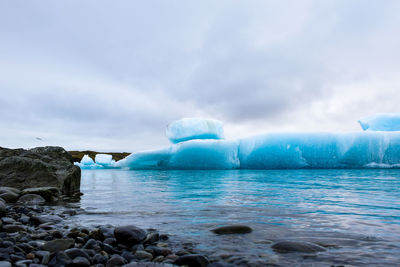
x=364, y=149
x=381, y=122
x=194, y=128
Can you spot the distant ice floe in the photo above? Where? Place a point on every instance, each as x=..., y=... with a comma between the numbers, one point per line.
x=204, y=148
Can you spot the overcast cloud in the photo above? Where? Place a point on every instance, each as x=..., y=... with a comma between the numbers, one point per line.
x=110, y=75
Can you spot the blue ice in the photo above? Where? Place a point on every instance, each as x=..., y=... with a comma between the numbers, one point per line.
x=194, y=128
x=364, y=149
x=101, y=161
x=276, y=151
x=381, y=122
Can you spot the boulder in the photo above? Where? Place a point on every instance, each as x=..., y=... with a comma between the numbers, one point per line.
x=47, y=192
x=39, y=167
x=129, y=235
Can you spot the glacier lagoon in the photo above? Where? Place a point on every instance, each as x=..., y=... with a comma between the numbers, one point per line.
x=355, y=213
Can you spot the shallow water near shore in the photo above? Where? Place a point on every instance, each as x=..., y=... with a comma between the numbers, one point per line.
x=354, y=213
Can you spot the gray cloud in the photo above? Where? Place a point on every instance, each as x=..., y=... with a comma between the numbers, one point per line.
x=111, y=76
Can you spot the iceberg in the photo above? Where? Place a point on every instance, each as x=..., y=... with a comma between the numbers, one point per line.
x=199, y=144
x=194, y=128
x=381, y=122
x=193, y=154
x=86, y=160
x=104, y=160
x=101, y=161
x=276, y=151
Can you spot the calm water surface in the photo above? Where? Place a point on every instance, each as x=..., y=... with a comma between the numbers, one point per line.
x=356, y=213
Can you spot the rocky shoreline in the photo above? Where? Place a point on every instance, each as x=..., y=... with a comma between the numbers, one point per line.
x=36, y=188
x=33, y=234
x=34, y=229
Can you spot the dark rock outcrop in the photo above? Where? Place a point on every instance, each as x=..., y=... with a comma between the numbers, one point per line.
x=39, y=167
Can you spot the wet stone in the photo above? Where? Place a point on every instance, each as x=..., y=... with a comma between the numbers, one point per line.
x=111, y=241
x=194, y=260
x=143, y=255
x=23, y=263
x=24, y=219
x=7, y=220
x=58, y=244
x=96, y=234
x=232, y=229
x=44, y=256
x=13, y=228
x=129, y=235
x=128, y=256
x=60, y=259
x=80, y=262
x=76, y=252
x=157, y=251
x=99, y=259
x=3, y=207
x=116, y=260
x=296, y=246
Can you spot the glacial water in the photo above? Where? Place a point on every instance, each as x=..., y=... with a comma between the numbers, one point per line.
x=354, y=213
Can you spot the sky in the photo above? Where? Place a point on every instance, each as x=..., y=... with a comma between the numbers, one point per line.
x=111, y=75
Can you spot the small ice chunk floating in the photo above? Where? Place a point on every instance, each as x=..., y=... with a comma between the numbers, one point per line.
x=197, y=146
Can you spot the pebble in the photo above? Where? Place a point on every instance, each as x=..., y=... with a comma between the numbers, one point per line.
x=3, y=208
x=143, y=255
x=44, y=256
x=13, y=228
x=116, y=260
x=76, y=252
x=80, y=262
